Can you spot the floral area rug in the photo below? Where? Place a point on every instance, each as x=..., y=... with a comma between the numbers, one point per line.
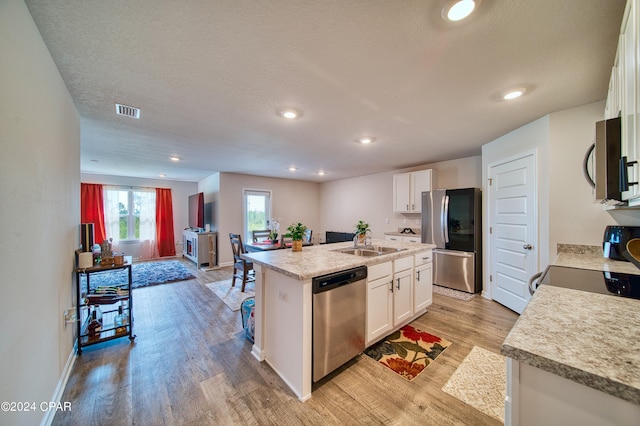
x=142, y=274
x=480, y=381
x=232, y=296
x=408, y=351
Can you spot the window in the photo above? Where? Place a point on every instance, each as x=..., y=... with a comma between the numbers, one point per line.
x=256, y=211
x=130, y=213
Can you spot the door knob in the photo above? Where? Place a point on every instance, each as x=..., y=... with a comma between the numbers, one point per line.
x=527, y=246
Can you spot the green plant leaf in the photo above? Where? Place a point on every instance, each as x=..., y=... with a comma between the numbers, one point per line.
x=400, y=350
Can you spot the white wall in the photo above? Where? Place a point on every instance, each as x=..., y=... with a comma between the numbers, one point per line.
x=39, y=215
x=292, y=201
x=370, y=198
x=180, y=192
x=575, y=218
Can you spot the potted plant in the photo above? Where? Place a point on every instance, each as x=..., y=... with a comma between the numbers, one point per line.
x=274, y=227
x=296, y=233
x=361, y=230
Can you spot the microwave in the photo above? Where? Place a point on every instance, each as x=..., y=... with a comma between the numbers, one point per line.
x=607, y=154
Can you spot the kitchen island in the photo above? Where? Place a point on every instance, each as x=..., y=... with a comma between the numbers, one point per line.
x=573, y=357
x=283, y=309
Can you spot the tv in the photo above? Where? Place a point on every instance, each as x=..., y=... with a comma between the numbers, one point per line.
x=196, y=210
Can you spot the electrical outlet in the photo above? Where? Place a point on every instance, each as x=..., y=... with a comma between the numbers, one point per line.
x=386, y=220
x=417, y=221
x=404, y=221
x=69, y=316
x=283, y=296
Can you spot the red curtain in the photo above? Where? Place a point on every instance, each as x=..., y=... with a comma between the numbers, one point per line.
x=92, y=209
x=164, y=222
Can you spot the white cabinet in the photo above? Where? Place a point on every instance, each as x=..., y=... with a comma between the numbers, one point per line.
x=423, y=281
x=200, y=247
x=623, y=97
x=402, y=290
x=379, y=301
x=537, y=397
x=408, y=189
x=414, y=239
x=397, y=292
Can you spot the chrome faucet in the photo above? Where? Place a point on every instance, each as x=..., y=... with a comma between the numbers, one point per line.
x=367, y=236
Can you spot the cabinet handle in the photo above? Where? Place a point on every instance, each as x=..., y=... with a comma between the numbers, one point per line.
x=398, y=280
x=413, y=206
x=407, y=206
x=391, y=288
x=418, y=275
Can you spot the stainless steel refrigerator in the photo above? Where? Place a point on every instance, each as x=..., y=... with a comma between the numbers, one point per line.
x=452, y=220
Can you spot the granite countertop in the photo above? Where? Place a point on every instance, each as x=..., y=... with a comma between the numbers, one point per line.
x=595, y=262
x=318, y=260
x=590, y=338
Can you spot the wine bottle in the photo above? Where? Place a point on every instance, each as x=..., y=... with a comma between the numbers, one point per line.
x=95, y=326
x=120, y=321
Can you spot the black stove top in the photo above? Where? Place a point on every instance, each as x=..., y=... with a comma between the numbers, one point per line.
x=603, y=282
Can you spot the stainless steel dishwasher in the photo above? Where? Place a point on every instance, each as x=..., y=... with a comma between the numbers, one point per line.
x=339, y=312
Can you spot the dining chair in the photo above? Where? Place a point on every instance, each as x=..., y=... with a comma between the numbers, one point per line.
x=261, y=235
x=240, y=264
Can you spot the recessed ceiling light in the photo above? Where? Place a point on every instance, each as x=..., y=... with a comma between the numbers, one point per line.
x=290, y=113
x=174, y=158
x=365, y=140
x=457, y=10
x=292, y=169
x=162, y=175
x=321, y=173
x=513, y=94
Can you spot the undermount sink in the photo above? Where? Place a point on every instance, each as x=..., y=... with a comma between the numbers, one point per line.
x=370, y=251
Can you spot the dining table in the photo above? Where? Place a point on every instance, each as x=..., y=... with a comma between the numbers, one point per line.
x=262, y=246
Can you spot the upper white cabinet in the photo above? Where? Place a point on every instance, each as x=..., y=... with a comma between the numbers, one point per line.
x=408, y=189
x=623, y=97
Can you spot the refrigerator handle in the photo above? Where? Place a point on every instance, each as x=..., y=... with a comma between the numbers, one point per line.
x=445, y=219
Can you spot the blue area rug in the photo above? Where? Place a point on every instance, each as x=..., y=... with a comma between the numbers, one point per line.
x=142, y=274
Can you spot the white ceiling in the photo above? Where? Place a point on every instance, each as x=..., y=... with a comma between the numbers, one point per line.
x=209, y=77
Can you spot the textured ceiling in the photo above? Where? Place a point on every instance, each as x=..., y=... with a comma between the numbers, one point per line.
x=209, y=77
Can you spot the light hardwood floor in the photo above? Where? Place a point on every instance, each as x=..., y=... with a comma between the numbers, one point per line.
x=191, y=364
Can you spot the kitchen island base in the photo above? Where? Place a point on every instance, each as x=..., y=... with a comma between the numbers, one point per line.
x=284, y=341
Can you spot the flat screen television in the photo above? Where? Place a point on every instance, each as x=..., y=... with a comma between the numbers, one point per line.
x=196, y=210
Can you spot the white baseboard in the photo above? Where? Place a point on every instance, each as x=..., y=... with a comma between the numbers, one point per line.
x=47, y=419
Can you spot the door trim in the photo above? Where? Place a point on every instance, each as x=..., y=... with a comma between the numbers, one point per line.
x=487, y=284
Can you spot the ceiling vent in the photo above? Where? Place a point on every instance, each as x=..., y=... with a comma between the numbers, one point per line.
x=128, y=111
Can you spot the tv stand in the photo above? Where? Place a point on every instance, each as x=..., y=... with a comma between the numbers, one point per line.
x=200, y=247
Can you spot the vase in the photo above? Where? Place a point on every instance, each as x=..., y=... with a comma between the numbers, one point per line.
x=296, y=245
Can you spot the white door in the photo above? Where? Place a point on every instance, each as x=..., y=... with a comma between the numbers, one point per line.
x=513, y=219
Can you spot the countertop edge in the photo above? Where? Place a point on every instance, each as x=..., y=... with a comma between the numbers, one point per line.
x=594, y=381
